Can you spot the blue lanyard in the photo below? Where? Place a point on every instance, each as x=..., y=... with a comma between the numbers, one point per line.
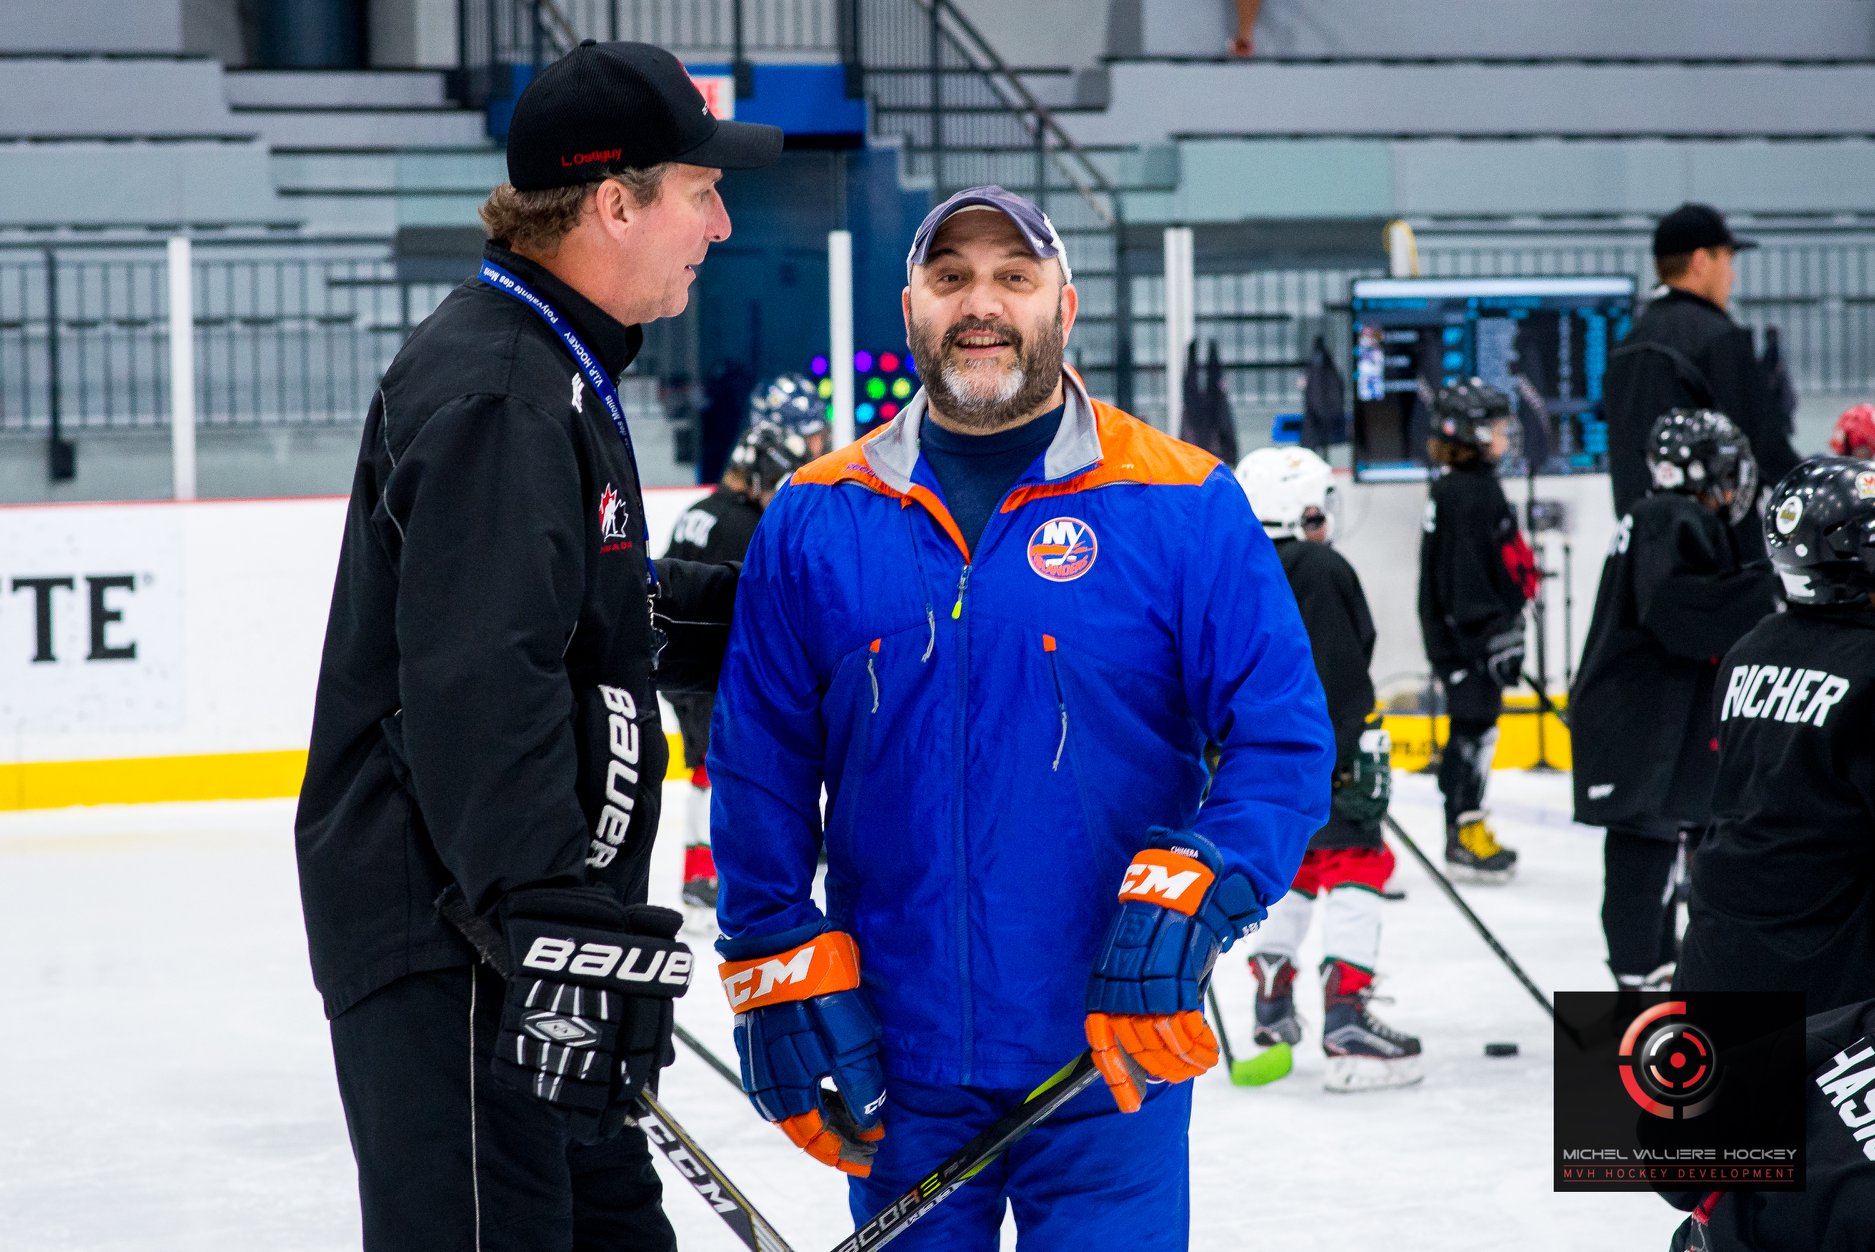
x=508, y=285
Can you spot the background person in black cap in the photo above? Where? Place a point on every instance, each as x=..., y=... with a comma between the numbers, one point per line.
x=1686, y=352
x=487, y=757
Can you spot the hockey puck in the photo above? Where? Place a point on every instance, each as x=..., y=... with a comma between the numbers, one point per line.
x=1500, y=1049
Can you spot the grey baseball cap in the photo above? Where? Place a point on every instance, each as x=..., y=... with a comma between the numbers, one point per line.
x=1028, y=217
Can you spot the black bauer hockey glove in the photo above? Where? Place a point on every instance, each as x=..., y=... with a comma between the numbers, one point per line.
x=588, y=1015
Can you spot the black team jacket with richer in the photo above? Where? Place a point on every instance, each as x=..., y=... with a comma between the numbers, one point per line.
x=1341, y=636
x=485, y=717
x=1674, y=598
x=1784, y=883
x=1835, y=1212
x=1474, y=568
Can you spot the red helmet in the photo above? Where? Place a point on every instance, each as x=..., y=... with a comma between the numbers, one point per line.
x=1855, y=432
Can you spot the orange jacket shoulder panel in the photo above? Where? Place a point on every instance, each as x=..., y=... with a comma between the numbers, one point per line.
x=843, y=465
x=1130, y=452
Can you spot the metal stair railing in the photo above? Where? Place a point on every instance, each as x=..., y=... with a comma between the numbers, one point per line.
x=936, y=84
x=494, y=36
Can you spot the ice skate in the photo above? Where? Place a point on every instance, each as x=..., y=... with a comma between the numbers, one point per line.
x=699, y=892
x=1473, y=853
x=1658, y=979
x=1364, y=1053
x=1276, y=1000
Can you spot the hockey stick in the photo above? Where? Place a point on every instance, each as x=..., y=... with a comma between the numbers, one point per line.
x=708, y=1057
x=962, y=1165
x=1223, y=1036
x=658, y=1125
x=709, y=1180
x=1483, y=931
x=1545, y=703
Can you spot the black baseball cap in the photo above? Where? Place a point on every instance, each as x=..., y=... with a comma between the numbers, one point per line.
x=1692, y=227
x=609, y=106
x=1037, y=231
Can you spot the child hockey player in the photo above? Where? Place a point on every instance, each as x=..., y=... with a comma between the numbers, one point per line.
x=787, y=429
x=1784, y=884
x=1674, y=597
x=1347, y=863
x=1835, y=1210
x=1476, y=572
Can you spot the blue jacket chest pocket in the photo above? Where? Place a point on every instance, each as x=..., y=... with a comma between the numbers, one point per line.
x=875, y=688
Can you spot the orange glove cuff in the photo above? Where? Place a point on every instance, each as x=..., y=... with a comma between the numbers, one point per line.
x=1163, y=877
x=824, y=964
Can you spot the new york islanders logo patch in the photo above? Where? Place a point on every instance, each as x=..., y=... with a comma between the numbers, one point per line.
x=1062, y=549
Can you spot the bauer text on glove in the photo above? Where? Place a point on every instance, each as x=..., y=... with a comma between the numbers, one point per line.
x=587, y=1017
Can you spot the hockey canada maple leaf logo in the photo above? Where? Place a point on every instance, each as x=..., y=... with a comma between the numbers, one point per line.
x=614, y=519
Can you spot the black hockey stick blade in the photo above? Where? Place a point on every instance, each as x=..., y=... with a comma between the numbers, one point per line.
x=709, y=1180
x=1484, y=932
x=1223, y=1036
x=962, y=1165
x=708, y=1057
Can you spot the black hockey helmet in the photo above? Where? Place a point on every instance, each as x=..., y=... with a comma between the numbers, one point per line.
x=1699, y=452
x=767, y=453
x=1820, y=531
x=792, y=401
x=1463, y=412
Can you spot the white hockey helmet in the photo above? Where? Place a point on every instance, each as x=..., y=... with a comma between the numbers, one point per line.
x=1290, y=489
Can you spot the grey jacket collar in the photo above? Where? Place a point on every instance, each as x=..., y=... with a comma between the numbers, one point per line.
x=893, y=453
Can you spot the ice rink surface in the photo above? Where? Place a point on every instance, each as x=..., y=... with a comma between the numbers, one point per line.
x=168, y=1086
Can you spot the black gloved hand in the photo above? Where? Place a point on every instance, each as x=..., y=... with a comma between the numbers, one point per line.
x=1363, y=790
x=1503, y=656
x=588, y=1015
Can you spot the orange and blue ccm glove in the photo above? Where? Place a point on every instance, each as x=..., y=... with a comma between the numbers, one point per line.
x=801, y=1018
x=1145, y=1017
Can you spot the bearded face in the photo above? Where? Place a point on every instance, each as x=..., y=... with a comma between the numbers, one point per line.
x=985, y=374
x=988, y=322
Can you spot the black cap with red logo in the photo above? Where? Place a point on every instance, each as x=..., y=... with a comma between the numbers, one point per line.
x=609, y=106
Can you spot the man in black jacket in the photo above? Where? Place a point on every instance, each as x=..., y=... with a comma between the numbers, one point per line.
x=1674, y=597
x=486, y=759
x=1686, y=352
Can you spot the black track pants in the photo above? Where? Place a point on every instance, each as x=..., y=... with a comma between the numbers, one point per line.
x=1637, y=903
x=450, y=1161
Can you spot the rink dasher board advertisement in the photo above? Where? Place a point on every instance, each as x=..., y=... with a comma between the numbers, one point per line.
x=160, y=650
x=91, y=621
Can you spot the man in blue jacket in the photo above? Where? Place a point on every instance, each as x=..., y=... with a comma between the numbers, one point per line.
x=1000, y=631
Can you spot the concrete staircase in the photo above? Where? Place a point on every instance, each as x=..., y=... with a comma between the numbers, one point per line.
x=187, y=144
x=368, y=152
